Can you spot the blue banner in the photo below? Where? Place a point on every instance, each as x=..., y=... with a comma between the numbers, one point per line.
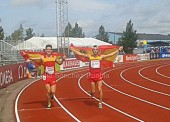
x=164, y=55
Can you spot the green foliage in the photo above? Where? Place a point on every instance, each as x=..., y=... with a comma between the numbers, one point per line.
x=73, y=32
x=68, y=30
x=42, y=35
x=103, y=36
x=18, y=34
x=29, y=33
x=1, y=33
x=128, y=39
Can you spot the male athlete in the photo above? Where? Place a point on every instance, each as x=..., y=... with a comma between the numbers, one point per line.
x=49, y=75
x=95, y=76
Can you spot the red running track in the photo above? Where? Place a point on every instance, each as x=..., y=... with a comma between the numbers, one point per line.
x=123, y=101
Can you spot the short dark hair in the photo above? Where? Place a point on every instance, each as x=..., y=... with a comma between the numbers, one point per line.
x=48, y=45
x=95, y=46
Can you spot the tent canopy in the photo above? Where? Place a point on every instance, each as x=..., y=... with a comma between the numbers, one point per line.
x=41, y=42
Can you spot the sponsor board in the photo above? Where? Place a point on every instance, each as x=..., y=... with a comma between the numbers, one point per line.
x=145, y=56
x=154, y=55
x=165, y=55
x=12, y=73
x=70, y=64
x=130, y=57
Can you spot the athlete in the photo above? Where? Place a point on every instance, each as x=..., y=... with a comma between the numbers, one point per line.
x=95, y=76
x=49, y=75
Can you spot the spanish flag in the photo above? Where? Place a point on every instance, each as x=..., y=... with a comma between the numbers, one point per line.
x=103, y=50
x=29, y=54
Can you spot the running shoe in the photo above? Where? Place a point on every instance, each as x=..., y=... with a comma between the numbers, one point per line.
x=100, y=105
x=48, y=106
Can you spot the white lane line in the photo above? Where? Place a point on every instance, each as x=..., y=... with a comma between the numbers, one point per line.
x=132, y=95
x=160, y=73
x=106, y=103
x=38, y=109
x=18, y=96
x=158, y=92
x=64, y=108
x=139, y=72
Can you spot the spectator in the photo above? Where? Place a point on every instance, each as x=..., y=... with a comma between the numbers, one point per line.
x=33, y=70
x=121, y=51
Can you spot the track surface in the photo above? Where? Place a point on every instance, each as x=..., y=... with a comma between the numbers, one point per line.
x=137, y=91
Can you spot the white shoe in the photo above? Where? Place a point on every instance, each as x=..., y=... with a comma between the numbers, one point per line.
x=100, y=105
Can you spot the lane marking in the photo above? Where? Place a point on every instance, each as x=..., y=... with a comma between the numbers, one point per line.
x=64, y=108
x=39, y=109
x=155, y=81
x=160, y=73
x=18, y=96
x=106, y=103
x=134, y=96
x=121, y=75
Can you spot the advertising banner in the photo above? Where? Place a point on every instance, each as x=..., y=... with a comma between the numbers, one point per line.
x=145, y=56
x=130, y=57
x=154, y=55
x=12, y=73
x=164, y=55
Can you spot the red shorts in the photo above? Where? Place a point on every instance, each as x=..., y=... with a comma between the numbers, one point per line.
x=94, y=77
x=49, y=79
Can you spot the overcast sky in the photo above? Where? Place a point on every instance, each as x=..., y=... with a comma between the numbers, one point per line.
x=148, y=16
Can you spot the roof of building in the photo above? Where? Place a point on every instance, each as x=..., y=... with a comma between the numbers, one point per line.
x=41, y=42
x=144, y=36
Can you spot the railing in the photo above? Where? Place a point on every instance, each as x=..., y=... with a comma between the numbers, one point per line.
x=8, y=54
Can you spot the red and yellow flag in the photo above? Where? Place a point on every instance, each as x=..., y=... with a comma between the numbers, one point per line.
x=29, y=54
x=104, y=50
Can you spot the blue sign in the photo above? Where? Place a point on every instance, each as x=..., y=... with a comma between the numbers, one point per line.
x=165, y=55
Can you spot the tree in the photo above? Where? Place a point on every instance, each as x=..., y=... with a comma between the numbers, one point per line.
x=29, y=33
x=68, y=30
x=18, y=34
x=128, y=39
x=103, y=36
x=73, y=32
x=42, y=35
x=1, y=33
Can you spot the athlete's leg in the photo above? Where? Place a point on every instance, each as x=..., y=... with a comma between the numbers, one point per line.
x=99, y=85
x=48, y=88
x=93, y=86
x=53, y=89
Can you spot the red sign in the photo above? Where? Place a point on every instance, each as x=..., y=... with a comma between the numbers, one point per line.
x=71, y=63
x=12, y=73
x=130, y=57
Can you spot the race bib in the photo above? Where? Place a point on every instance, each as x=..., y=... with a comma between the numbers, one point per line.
x=95, y=63
x=50, y=70
x=44, y=77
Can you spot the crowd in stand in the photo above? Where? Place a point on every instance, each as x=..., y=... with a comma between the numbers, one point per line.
x=162, y=49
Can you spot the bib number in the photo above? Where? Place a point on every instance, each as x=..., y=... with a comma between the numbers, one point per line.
x=44, y=77
x=50, y=70
x=95, y=64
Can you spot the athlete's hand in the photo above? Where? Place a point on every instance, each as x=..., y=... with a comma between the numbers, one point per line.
x=71, y=48
x=23, y=53
x=64, y=57
x=121, y=48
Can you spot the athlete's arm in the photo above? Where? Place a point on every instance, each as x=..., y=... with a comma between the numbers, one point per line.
x=79, y=53
x=58, y=61
x=108, y=55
